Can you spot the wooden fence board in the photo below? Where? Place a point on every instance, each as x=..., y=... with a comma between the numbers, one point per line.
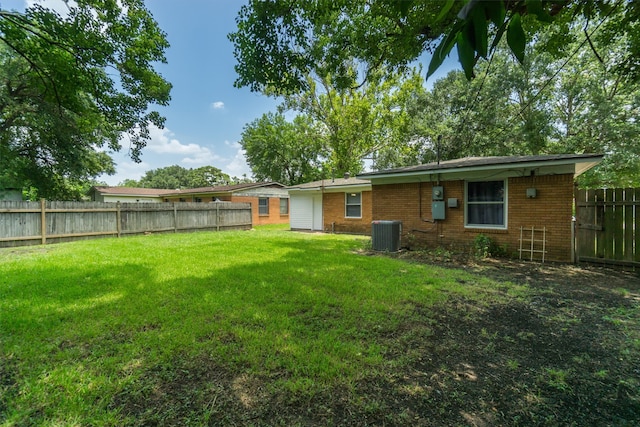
x=618, y=223
x=25, y=223
x=599, y=198
x=636, y=225
x=608, y=226
x=628, y=225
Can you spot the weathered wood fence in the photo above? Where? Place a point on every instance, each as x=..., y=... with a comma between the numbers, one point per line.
x=29, y=223
x=608, y=226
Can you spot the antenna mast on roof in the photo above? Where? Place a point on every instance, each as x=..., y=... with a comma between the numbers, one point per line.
x=438, y=148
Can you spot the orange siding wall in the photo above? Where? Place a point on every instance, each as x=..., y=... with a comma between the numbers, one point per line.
x=552, y=208
x=333, y=206
x=274, y=216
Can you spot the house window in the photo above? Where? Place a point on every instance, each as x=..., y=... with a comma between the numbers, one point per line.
x=263, y=206
x=198, y=199
x=486, y=204
x=284, y=206
x=353, y=205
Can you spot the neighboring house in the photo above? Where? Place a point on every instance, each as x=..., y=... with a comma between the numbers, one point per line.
x=341, y=205
x=127, y=194
x=269, y=200
x=452, y=202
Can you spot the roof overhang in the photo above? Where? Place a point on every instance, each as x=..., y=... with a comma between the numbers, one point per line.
x=331, y=189
x=476, y=170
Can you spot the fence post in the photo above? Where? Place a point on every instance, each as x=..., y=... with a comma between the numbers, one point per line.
x=43, y=221
x=175, y=218
x=118, y=219
x=217, y=216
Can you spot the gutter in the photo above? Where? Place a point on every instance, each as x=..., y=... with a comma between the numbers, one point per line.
x=493, y=167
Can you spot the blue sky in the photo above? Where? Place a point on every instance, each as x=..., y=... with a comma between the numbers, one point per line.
x=207, y=114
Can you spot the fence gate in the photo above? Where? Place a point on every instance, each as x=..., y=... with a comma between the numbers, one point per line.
x=608, y=226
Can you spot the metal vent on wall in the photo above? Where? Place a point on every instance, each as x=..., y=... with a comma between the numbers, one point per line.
x=385, y=235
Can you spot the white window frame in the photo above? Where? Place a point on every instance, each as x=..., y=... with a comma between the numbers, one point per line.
x=347, y=204
x=504, y=203
x=260, y=206
x=286, y=206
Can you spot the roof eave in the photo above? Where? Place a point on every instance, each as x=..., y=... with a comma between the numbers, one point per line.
x=585, y=162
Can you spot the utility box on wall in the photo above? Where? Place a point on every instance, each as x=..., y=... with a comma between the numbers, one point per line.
x=385, y=235
x=437, y=193
x=437, y=210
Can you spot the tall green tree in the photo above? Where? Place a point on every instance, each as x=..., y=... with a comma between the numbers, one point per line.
x=71, y=85
x=336, y=130
x=542, y=106
x=207, y=176
x=278, y=44
x=356, y=122
x=286, y=152
x=178, y=177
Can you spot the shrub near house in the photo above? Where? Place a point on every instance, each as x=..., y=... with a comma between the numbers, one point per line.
x=450, y=203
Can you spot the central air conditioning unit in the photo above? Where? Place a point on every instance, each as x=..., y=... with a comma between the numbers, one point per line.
x=385, y=235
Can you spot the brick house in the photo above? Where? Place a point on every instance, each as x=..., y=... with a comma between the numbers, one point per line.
x=269, y=200
x=341, y=205
x=127, y=194
x=452, y=202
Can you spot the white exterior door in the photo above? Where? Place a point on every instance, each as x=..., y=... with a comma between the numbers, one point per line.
x=305, y=211
x=317, y=212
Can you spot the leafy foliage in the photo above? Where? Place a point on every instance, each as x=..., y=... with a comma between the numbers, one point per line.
x=60, y=101
x=542, y=106
x=278, y=44
x=282, y=151
x=335, y=132
x=177, y=177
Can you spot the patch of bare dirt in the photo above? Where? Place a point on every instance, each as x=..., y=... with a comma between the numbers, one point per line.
x=565, y=352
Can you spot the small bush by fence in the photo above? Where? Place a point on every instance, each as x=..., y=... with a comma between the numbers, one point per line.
x=29, y=223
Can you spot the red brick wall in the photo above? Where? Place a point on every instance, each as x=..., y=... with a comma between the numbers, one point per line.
x=333, y=206
x=552, y=208
x=274, y=216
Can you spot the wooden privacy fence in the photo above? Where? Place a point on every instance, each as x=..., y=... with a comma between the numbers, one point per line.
x=608, y=226
x=29, y=223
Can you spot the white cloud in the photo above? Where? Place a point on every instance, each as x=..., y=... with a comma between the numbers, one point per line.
x=238, y=165
x=163, y=142
x=218, y=105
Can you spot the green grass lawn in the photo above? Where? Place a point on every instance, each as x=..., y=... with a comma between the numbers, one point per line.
x=232, y=328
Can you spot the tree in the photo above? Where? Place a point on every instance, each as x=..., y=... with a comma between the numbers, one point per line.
x=206, y=176
x=61, y=102
x=278, y=44
x=177, y=177
x=542, y=106
x=335, y=132
x=282, y=151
